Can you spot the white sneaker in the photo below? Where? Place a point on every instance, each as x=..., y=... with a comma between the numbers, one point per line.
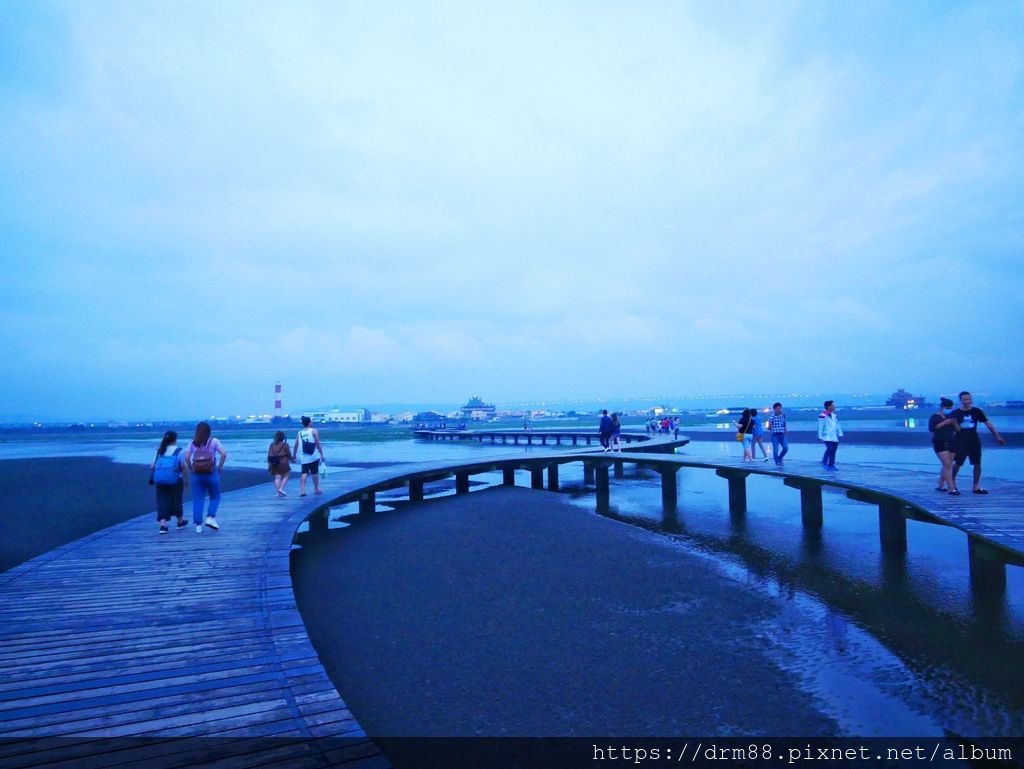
x=199, y=528
x=212, y=523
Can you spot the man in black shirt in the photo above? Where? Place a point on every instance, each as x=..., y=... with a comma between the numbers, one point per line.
x=968, y=443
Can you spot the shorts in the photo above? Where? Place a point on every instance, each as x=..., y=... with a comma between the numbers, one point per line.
x=938, y=446
x=311, y=467
x=971, y=451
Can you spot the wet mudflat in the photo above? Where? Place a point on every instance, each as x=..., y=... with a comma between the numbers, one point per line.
x=513, y=612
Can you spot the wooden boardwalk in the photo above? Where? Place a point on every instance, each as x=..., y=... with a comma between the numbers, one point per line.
x=129, y=634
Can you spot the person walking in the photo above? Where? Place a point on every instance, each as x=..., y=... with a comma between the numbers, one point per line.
x=278, y=458
x=309, y=439
x=616, y=432
x=968, y=442
x=944, y=428
x=758, y=436
x=605, y=430
x=201, y=458
x=829, y=432
x=167, y=474
x=780, y=434
x=745, y=433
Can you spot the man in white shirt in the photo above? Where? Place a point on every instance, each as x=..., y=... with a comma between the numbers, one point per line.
x=829, y=432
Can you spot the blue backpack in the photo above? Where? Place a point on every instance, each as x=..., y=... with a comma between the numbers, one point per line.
x=167, y=470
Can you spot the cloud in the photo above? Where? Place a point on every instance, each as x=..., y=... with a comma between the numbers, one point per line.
x=515, y=195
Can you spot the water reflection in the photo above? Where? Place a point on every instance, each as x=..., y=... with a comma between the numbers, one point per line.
x=896, y=645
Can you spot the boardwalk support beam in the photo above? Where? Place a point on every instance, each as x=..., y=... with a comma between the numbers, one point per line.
x=669, y=489
x=603, y=489
x=416, y=490
x=892, y=527
x=553, y=477
x=508, y=476
x=811, y=511
x=367, y=502
x=461, y=483
x=988, y=567
x=537, y=477
x=737, y=488
x=588, y=475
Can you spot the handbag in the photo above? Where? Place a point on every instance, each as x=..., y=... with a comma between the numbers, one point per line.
x=739, y=437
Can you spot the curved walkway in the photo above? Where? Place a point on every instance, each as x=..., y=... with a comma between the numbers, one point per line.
x=127, y=633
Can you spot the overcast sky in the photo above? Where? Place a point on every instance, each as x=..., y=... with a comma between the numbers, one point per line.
x=379, y=202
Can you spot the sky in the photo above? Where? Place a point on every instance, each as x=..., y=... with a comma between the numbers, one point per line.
x=417, y=202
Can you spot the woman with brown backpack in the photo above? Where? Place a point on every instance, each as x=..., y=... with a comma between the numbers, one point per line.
x=279, y=459
x=201, y=457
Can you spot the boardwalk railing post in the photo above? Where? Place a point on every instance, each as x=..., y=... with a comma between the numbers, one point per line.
x=588, y=474
x=415, y=490
x=669, y=489
x=367, y=502
x=537, y=477
x=620, y=471
x=553, y=477
x=603, y=489
x=574, y=440
x=988, y=569
x=892, y=527
x=508, y=476
x=737, y=489
x=462, y=483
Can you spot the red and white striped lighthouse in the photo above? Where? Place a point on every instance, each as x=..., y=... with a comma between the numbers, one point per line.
x=277, y=400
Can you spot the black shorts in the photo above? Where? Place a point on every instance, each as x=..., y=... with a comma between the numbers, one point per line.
x=938, y=446
x=971, y=451
x=311, y=467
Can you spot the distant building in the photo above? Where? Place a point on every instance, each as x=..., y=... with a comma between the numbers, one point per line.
x=429, y=420
x=903, y=400
x=478, y=411
x=335, y=417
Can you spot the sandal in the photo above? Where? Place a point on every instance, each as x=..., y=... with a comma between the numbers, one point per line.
x=940, y=488
x=980, y=491
x=954, y=493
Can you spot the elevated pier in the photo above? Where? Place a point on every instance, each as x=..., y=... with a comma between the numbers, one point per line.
x=129, y=634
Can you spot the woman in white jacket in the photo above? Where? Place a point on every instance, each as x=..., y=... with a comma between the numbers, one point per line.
x=829, y=432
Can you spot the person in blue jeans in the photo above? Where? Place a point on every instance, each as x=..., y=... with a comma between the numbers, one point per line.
x=779, y=430
x=829, y=433
x=205, y=459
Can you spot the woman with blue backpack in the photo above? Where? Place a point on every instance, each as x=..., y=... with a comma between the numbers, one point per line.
x=166, y=473
x=201, y=457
